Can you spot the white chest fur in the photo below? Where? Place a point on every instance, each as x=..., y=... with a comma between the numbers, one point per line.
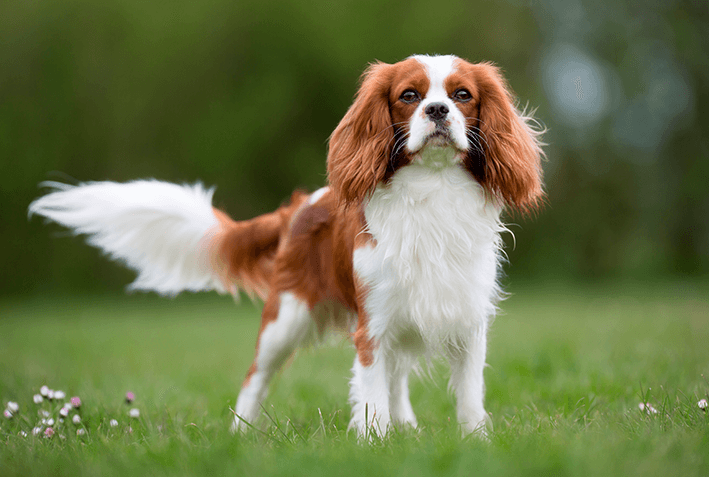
x=433, y=270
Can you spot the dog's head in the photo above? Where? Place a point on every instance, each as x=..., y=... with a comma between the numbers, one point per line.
x=405, y=112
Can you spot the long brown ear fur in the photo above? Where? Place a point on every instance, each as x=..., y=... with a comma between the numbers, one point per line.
x=361, y=144
x=513, y=152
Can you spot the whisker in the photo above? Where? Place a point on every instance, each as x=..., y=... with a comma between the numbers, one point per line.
x=388, y=127
x=476, y=135
x=478, y=132
x=394, y=136
x=350, y=134
x=399, y=144
x=476, y=119
x=475, y=143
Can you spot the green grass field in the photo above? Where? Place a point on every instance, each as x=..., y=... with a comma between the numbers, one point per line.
x=568, y=366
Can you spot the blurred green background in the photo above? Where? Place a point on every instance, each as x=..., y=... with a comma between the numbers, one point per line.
x=244, y=94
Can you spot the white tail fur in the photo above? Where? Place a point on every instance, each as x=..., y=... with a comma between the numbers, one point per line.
x=159, y=229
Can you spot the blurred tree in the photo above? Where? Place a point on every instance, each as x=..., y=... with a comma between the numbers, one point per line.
x=244, y=95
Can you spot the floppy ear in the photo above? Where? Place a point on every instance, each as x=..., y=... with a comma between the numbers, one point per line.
x=361, y=144
x=512, y=150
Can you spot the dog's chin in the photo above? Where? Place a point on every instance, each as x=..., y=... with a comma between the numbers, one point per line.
x=438, y=150
x=439, y=140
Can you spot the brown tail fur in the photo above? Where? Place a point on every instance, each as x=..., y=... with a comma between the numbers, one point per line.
x=244, y=252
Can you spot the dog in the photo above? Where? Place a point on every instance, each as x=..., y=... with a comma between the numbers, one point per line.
x=402, y=249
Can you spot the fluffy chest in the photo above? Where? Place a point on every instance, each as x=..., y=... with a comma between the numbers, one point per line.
x=433, y=267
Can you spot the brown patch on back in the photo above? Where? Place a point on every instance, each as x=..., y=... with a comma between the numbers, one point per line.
x=305, y=249
x=315, y=262
x=309, y=220
x=244, y=252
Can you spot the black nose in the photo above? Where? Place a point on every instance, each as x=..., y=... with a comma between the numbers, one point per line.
x=436, y=111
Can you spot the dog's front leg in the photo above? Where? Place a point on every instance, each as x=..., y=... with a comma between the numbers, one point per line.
x=398, y=367
x=369, y=394
x=467, y=360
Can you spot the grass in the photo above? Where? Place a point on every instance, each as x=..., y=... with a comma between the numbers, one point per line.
x=568, y=368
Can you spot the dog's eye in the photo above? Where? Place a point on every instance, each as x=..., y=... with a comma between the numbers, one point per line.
x=410, y=96
x=462, y=95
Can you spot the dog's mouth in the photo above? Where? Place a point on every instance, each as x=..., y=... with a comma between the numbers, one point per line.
x=439, y=138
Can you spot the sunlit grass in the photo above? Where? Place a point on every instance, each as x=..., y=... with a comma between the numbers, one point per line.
x=569, y=366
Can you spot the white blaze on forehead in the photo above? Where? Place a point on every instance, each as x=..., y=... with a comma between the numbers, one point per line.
x=438, y=68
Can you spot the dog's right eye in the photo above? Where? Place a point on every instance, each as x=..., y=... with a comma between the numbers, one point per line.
x=410, y=96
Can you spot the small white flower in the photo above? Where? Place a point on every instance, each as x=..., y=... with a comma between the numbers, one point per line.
x=23, y=434
x=37, y=398
x=43, y=422
x=64, y=412
x=7, y=414
x=76, y=419
x=702, y=404
x=80, y=432
x=44, y=391
x=50, y=394
x=36, y=430
x=44, y=413
x=59, y=394
x=13, y=406
x=50, y=422
x=113, y=423
x=134, y=412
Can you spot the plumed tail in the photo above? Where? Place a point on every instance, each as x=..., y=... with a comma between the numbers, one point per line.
x=158, y=229
x=170, y=234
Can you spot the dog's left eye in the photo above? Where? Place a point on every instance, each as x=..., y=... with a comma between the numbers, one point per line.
x=410, y=96
x=462, y=95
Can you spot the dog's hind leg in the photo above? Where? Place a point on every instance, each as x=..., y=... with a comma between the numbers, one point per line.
x=286, y=324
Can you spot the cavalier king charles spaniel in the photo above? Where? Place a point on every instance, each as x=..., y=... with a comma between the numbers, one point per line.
x=401, y=250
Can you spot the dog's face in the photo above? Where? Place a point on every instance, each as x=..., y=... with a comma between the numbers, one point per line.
x=424, y=104
x=431, y=106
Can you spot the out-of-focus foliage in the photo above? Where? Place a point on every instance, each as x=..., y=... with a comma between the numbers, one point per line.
x=244, y=94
